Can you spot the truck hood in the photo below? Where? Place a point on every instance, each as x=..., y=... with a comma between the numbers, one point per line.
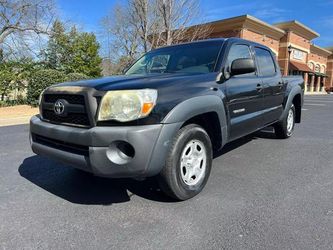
x=172, y=89
x=138, y=81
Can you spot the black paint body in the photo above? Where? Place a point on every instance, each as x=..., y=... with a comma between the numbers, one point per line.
x=263, y=98
x=231, y=106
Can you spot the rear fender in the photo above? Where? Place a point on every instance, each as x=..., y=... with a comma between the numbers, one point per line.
x=293, y=92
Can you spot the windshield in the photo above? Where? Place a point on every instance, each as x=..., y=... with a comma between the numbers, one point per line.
x=188, y=58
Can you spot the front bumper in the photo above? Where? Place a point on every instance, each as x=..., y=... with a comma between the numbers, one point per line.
x=97, y=149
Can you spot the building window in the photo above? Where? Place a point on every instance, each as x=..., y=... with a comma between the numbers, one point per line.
x=297, y=54
x=317, y=68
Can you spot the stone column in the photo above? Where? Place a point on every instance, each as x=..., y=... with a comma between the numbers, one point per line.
x=318, y=84
x=324, y=84
x=312, y=83
x=306, y=78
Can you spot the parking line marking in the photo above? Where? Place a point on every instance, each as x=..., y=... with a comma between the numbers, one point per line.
x=315, y=104
x=318, y=101
x=325, y=98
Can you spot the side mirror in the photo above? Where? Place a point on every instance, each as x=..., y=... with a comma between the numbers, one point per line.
x=242, y=66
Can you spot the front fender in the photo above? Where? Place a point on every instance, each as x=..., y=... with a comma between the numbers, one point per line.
x=196, y=106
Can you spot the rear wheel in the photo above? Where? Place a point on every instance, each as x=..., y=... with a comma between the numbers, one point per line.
x=188, y=164
x=285, y=128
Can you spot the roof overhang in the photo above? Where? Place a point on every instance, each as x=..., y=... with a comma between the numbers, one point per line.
x=315, y=49
x=298, y=28
x=329, y=49
x=246, y=22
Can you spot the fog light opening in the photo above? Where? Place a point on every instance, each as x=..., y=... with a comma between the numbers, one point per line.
x=120, y=152
x=125, y=149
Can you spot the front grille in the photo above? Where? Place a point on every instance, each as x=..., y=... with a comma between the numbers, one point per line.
x=73, y=99
x=61, y=145
x=76, y=110
x=71, y=118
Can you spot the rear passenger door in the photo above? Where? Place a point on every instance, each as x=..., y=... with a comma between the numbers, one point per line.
x=273, y=86
x=244, y=96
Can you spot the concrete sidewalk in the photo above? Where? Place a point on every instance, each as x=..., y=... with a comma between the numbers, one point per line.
x=16, y=115
x=316, y=93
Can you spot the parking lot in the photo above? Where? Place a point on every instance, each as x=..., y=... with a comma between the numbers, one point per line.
x=263, y=193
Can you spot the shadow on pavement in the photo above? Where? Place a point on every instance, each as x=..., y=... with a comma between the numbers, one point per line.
x=267, y=133
x=83, y=188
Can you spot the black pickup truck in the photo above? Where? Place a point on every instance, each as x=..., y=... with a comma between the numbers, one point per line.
x=169, y=113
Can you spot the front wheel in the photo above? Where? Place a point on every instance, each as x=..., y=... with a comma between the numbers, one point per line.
x=188, y=164
x=285, y=128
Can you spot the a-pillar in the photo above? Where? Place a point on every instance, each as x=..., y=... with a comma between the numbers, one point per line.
x=312, y=83
x=318, y=84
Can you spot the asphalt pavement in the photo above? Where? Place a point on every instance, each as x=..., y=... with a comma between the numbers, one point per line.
x=263, y=193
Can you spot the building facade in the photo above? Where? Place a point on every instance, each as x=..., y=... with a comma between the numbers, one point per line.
x=291, y=42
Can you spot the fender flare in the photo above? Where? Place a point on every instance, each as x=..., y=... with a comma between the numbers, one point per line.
x=293, y=92
x=199, y=105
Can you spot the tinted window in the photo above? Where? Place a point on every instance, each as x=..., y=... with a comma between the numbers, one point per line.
x=238, y=51
x=189, y=58
x=265, y=62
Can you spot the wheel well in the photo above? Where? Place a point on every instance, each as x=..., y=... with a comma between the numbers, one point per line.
x=211, y=123
x=298, y=107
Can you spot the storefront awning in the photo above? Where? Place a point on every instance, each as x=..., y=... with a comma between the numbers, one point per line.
x=300, y=66
x=320, y=74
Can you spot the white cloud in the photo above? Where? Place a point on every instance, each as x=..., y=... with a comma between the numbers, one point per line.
x=268, y=12
x=272, y=13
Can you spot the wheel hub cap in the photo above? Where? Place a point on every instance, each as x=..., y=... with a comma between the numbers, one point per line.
x=290, y=121
x=193, y=162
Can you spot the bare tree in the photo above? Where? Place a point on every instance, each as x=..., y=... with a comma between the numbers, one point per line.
x=123, y=36
x=177, y=18
x=24, y=17
x=140, y=25
x=143, y=15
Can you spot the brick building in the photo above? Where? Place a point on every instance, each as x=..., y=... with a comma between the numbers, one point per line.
x=291, y=42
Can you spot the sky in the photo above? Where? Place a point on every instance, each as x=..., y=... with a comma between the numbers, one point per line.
x=317, y=14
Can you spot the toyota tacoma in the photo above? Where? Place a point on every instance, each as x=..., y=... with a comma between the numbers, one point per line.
x=169, y=113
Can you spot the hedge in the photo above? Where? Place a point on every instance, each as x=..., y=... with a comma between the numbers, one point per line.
x=76, y=77
x=8, y=103
x=40, y=80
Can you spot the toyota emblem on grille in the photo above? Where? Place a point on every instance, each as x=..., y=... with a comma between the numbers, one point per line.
x=59, y=107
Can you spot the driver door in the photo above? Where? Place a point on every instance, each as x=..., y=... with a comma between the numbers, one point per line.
x=244, y=96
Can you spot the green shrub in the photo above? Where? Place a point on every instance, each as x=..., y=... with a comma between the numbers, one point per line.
x=76, y=77
x=19, y=101
x=40, y=80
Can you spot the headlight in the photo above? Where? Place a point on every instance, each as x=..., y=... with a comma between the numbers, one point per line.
x=127, y=105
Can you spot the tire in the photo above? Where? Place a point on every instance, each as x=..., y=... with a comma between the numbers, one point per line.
x=188, y=163
x=285, y=128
